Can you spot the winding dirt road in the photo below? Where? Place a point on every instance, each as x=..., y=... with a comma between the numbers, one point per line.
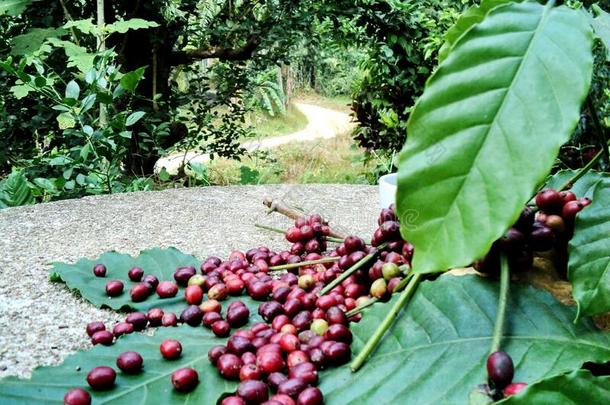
x=321, y=123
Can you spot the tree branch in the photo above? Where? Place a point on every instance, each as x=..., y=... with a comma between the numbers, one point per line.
x=242, y=53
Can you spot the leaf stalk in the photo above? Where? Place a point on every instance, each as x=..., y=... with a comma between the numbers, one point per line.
x=502, y=300
x=352, y=269
x=385, y=324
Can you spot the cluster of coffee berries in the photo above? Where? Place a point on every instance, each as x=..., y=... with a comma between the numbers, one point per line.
x=388, y=230
x=500, y=372
x=307, y=235
x=304, y=331
x=549, y=228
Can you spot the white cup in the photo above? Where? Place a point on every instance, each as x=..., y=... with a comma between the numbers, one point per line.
x=387, y=190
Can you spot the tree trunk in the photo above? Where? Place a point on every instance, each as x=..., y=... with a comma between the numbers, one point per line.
x=101, y=46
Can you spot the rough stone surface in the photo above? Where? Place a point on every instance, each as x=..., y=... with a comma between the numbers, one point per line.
x=41, y=322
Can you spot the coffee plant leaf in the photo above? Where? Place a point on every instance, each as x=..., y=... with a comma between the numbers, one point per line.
x=153, y=385
x=436, y=350
x=576, y=388
x=487, y=129
x=161, y=263
x=473, y=15
x=583, y=187
x=589, y=254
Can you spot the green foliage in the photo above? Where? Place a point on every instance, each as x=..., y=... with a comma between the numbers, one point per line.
x=15, y=191
x=265, y=93
x=589, y=251
x=152, y=386
x=458, y=159
x=402, y=38
x=576, y=388
x=14, y=7
x=85, y=155
x=472, y=16
x=601, y=25
x=445, y=331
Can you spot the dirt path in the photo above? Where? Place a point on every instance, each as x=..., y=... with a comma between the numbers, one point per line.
x=321, y=123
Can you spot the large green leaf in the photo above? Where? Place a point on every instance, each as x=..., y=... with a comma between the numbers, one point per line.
x=577, y=388
x=133, y=24
x=159, y=262
x=31, y=41
x=152, y=386
x=473, y=15
x=435, y=352
x=77, y=55
x=14, y=7
x=589, y=249
x=487, y=129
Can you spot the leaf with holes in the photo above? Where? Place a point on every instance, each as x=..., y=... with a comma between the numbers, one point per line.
x=505, y=86
x=589, y=249
x=577, y=388
x=435, y=353
x=161, y=263
x=152, y=386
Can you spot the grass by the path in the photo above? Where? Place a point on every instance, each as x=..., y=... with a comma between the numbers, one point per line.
x=266, y=126
x=333, y=160
x=339, y=103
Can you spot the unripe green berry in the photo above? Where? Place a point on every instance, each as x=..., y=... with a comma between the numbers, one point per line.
x=197, y=279
x=390, y=270
x=379, y=288
x=319, y=326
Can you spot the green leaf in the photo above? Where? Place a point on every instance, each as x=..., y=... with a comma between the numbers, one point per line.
x=601, y=26
x=164, y=175
x=133, y=24
x=134, y=117
x=159, y=262
x=20, y=91
x=14, y=7
x=152, y=386
x=45, y=184
x=88, y=102
x=468, y=19
x=577, y=388
x=582, y=188
x=84, y=152
x=589, y=250
x=84, y=26
x=72, y=90
x=66, y=120
x=130, y=80
x=81, y=179
x=14, y=191
x=77, y=55
x=59, y=161
x=31, y=41
x=504, y=87
x=436, y=350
